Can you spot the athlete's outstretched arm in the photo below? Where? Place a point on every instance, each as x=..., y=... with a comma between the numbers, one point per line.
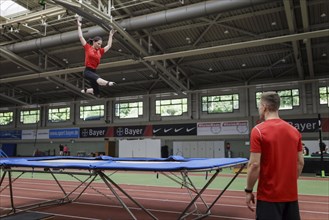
x=82, y=39
x=109, y=43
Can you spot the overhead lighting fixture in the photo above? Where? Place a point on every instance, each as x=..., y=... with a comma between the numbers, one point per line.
x=283, y=60
x=323, y=15
x=273, y=23
x=324, y=55
x=188, y=40
x=244, y=65
x=226, y=32
x=123, y=79
x=120, y=50
x=210, y=69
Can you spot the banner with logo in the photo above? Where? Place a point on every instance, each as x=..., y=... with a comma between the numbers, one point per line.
x=35, y=134
x=174, y=130
x=64, y=133
x=223, y=128
x=93, y=132
x=305, y=124
x=11, y=134
x=130, y=131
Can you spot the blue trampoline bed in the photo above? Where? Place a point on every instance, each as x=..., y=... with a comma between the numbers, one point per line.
x=176, y=168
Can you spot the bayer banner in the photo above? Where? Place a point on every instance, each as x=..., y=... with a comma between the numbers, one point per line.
x=223, y=128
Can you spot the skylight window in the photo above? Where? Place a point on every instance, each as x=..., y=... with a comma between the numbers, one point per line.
x=9, y=8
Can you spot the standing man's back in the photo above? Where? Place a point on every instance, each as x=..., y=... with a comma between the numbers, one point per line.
x=276, y=160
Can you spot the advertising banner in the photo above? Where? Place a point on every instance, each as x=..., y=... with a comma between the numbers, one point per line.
x=64, y=133
x=223, y=128
x=305, y=124
x=93, y=132
x=130, y=131
x=11, y=134
x=174, y=129
x=35, y=134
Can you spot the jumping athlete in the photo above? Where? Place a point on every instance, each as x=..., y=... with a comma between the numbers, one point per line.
x=93, y=53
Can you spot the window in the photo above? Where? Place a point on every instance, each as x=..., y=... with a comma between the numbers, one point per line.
x=289, y=98
x=220, y=104
x=30, y=116
x=9, y=8
x=59, y=114
x=129, y=109
x=6, y=118
x=91, y=112
x=171, y=107
x=324, y=95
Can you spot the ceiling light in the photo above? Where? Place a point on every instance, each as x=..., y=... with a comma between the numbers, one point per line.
x=226, y=32
x=120, y=50
x=187, y=38
x=273, y=23
x=323, y=15
x=210, y=69
x=243, y=65
x=324, y=55
x=283, y=60
x=123, y=78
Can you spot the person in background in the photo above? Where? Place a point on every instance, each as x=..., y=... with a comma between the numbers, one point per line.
x=306, y=151
x=228, y=150
x=61, y=150
x=276, y=161
x=66, y=150
x=93, y=53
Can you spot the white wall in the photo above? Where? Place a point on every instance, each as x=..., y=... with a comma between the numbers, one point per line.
x=140, y=148
x=205, y=149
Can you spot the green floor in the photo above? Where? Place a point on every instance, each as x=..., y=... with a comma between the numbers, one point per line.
x=307, y=185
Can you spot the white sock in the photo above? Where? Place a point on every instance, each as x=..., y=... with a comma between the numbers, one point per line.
x=89, y=91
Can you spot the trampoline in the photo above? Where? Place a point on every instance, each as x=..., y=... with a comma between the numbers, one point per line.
x=176, y=168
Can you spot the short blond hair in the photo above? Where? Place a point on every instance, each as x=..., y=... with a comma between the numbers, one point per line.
x=271, y=100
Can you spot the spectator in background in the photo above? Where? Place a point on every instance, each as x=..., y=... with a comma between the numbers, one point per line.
x=306, y=151
x=228, y=150
x=323, y=148
x=66, y=150
x=61, y=150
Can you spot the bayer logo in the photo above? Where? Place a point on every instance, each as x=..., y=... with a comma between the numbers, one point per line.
x=84, y=132
x=119, y=131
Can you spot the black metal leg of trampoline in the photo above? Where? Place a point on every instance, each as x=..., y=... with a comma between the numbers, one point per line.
x=222, y=192
x=108, y=180
x=183, y=215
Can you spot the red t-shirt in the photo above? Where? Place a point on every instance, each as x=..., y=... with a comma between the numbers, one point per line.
x=279, y=144
x=92, y=56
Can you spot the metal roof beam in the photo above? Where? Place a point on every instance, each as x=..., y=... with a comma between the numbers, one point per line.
x=289, y=10
x=306, y=26
x=207, y=50
x=12, y=99
x=18, y=60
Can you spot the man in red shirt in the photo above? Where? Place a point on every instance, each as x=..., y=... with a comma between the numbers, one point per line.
x=276, y=160
x=93, y=54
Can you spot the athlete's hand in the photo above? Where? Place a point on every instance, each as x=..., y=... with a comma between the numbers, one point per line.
x=250, y=199
x=112, y=32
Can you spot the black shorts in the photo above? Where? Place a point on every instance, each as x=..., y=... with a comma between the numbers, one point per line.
x=89, y=73
x=277, y=210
